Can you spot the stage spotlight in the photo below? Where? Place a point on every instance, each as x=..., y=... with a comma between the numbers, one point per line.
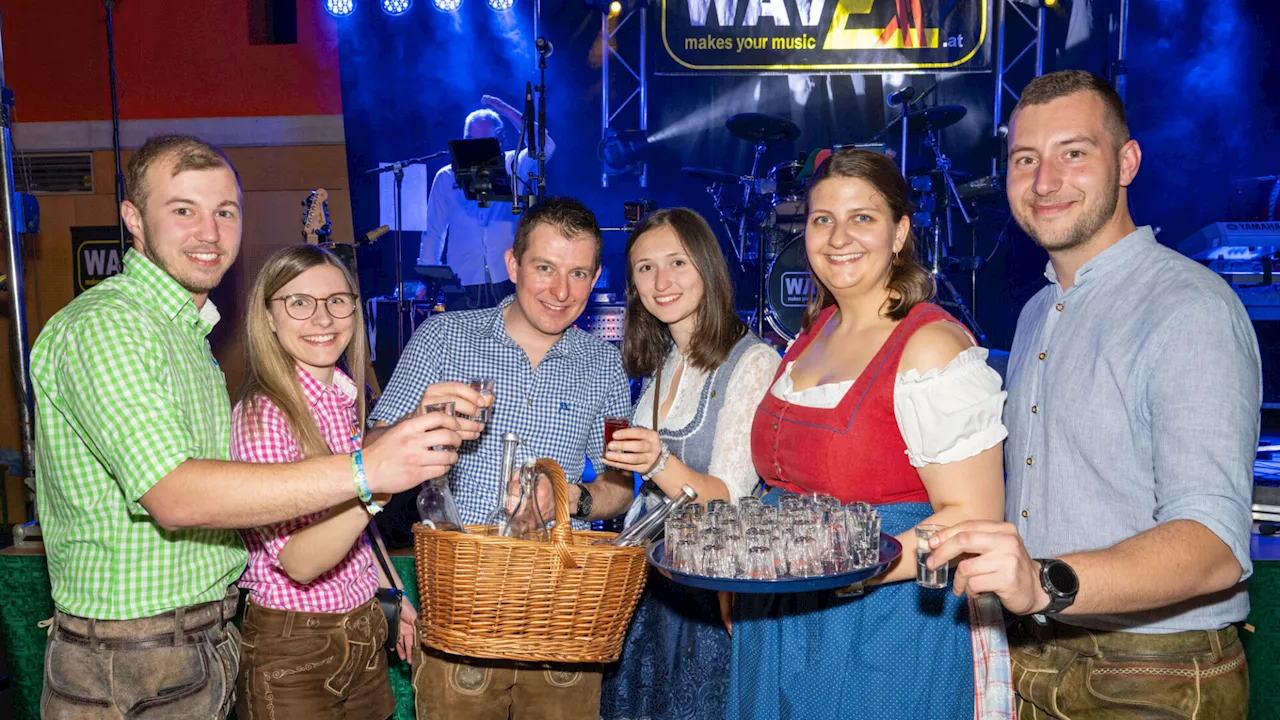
x=339, y=8
x=501, y=5
x=622, y=152
x=396, y=7
x=615, y=7
x=447, y=6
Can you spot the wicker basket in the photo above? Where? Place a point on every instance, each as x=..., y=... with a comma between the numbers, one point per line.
x=560, y=599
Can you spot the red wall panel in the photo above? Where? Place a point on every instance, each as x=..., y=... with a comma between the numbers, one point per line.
x=175, y=59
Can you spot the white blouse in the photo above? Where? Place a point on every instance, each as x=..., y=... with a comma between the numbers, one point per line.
x=731, y=453
x=945, y=415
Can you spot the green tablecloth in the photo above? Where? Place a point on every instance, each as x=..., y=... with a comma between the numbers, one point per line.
x=24, y=601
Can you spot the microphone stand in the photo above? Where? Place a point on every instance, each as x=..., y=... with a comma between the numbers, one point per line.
x=542, y=119
x=115, y=122
x=397, y=173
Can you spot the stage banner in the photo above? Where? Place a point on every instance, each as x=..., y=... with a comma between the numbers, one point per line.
x=750, y=37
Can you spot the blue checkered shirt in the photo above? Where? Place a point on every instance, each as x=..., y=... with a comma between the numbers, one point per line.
x=557, y=408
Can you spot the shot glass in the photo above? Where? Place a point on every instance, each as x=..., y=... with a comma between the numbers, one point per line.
x=924, y=576
x=485, y=387
x=441, y=407
x=761, y=564
x=611, y=426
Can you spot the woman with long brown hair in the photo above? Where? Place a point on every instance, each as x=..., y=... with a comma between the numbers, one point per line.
x=313, y=633
x=704, y=374
x=883, y=399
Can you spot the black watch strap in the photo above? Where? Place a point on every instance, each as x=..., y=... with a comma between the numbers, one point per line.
x=584, y=502
x=1060, y=584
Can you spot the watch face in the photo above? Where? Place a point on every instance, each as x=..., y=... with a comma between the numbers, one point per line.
x=1063, y=578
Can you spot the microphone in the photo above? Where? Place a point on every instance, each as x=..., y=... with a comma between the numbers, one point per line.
x=903, y=96
x=532, y=142
x=374, y=234
x=544, y=47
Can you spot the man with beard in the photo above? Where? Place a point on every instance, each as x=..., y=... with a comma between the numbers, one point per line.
x=137, y=501
x=1133, y=414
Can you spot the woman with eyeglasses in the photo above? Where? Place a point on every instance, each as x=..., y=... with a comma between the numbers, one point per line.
x=313, y=632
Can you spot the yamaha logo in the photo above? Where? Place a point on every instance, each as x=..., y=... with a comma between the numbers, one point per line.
x=1263, y=227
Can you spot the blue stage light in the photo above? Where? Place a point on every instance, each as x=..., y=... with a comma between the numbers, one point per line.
x=501, y=5
x=339, y=8
x=396, y=7
x=447, y=5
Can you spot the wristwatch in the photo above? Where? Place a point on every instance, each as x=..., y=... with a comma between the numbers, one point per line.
x=584, y=503
x=1060, y=582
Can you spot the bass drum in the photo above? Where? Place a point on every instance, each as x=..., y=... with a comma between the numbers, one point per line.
x=790, y=287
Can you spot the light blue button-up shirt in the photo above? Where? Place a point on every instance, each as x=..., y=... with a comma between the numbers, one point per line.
x=1134, y=400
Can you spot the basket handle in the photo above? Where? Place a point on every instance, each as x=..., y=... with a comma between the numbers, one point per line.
x=562, y=533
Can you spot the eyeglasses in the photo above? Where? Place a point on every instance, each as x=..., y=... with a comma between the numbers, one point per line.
x=301, y=306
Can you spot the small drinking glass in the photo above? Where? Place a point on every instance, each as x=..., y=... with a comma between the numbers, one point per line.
x=684, y=557
x=441, y=407
x=485, y=387
x=718, y=506
x=611, y=426
x=761, y=564
x=790, y=502
x=924, y=576
x=803, y=557
x=717, y=560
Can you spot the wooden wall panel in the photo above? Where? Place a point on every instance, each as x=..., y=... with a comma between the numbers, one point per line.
x=276, y=182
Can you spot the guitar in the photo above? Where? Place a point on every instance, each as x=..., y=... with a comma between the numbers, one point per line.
x=318, y=230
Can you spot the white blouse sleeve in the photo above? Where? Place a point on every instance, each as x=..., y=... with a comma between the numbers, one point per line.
x=950, y=414
x=731, y=454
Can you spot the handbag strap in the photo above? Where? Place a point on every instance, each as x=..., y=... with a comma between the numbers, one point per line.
x=649, y=486
x=657, y=390
x=382, y=560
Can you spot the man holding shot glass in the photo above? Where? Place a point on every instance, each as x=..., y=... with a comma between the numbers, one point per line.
x=521, y=368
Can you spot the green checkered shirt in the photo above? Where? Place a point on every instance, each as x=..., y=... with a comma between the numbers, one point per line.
x=127, y=390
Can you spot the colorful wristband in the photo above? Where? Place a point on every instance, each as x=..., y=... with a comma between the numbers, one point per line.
x=362, y=483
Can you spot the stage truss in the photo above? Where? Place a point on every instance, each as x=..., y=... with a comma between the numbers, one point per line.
x=635, y=106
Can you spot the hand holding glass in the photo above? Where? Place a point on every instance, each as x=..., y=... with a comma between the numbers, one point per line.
x=484, y=386
x=924, y=576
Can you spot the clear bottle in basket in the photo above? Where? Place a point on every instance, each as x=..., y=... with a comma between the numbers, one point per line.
x=436, y=507
x=508, y=493
x=654, y=521
x=524, y=518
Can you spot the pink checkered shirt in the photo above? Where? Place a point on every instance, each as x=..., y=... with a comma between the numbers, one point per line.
x=354, y=580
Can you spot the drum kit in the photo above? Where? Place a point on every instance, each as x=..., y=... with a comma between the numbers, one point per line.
x=764, y=213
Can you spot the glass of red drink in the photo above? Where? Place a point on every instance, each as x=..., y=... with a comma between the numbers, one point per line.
x=612, y=425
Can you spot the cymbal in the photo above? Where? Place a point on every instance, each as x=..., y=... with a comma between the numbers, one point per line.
x=711, y=175
x=758, y=127
x=936, y=118
x=922, y=121
x=957, y=176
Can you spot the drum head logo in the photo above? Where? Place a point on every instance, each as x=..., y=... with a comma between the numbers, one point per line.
x=796, y=289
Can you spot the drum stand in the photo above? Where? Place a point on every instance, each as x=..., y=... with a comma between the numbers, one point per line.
x=747, y=192
x=748, y=212
x=938, y=245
